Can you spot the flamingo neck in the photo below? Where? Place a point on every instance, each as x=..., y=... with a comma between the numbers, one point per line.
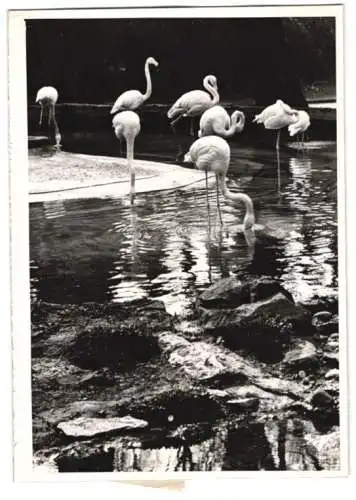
x=238, y=120
x=213, y=92
x=249, y=219
x=148, y=92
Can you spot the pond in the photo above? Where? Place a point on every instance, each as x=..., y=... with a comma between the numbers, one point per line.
x=166, y=247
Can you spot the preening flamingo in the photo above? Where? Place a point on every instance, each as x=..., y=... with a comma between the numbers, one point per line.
x=216, y=121
x=301, y=125
x=47, y=97
x=277, y=116
x=133, y=99
x=127, y=124
x=195, y=102
x=212, y=154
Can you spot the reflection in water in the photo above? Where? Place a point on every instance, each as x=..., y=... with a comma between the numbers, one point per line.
x=285, y=444
x=166, y=247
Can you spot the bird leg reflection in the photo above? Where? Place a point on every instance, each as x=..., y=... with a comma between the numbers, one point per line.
x=134, y=239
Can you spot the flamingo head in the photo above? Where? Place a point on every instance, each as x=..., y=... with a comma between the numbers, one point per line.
x=212, y=80
x=152, y=60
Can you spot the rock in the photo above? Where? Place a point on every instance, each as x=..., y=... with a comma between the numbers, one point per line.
x=263, y=328
x=327, y=448
x=84, y=426
x=304, y=352
x=334, y=373
x=328, y=327
x=321, y=399
x=93, y=336
x=332, y=358
x=232, y=292
x=204, y=362
x=244, y=403
x=321, y=317
x=88, y=409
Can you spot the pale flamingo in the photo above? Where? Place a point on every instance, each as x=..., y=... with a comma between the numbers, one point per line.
x=195, y=102
x=127, y=124
x=133, y=99
x=277, y=116
x=47, y=97
x=301, y=125
x=212, y=154
x=216, y=121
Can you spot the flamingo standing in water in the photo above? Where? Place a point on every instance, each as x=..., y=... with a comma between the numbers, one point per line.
x=194, y=103
x=127, y=124
x=300, y=126
x=216, y=121
x=212, y=154
x=276, y=117
x=133, y=99
x=47, y=97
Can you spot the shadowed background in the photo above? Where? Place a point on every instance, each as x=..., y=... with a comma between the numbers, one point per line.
x=255, y=60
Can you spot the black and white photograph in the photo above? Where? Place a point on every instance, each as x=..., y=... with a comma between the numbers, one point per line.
x=177, y=198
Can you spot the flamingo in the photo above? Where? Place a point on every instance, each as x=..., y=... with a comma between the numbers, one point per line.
x=301, y=125
x=127, y=124
x=133, y=99
x=212, y=154
x=276, y=116
x=47, y=97
x=195, y=102
x=216, y=121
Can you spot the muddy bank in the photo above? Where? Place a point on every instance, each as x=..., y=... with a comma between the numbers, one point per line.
x=115, y=385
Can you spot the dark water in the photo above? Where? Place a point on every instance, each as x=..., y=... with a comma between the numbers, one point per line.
x=167, y=248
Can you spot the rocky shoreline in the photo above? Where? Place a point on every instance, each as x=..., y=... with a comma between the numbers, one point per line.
x=109, y=377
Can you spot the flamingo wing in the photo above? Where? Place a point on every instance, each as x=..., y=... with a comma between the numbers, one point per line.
x=190, y=103
x=131, y=99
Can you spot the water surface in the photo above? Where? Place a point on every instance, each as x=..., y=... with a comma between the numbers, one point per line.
x=166, y=247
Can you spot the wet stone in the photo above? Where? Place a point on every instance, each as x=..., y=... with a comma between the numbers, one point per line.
x=321, y=317
x=85, y=427
x=233, y=292
x=332, y=374
x=304, y=352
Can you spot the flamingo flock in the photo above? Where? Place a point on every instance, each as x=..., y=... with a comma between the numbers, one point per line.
x=211, y=151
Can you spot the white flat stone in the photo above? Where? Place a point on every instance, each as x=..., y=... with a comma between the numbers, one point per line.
x=85, y=426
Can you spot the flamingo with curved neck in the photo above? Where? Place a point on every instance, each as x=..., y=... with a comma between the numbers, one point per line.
x=132, y=99
x=212, y=154
x=216, y=121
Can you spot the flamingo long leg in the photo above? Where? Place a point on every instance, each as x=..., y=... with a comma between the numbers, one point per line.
x=180, y=148
x=278, y=139
x=217, y=200
x=192, y=126
x=278, y=172
x=206, y=190
x=40, y=122
x=49, y=114
x=130, y=154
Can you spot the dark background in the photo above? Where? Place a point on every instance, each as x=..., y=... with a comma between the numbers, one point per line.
x=255, y=60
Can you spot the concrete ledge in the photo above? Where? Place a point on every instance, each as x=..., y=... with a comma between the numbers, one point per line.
x=62, y=175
